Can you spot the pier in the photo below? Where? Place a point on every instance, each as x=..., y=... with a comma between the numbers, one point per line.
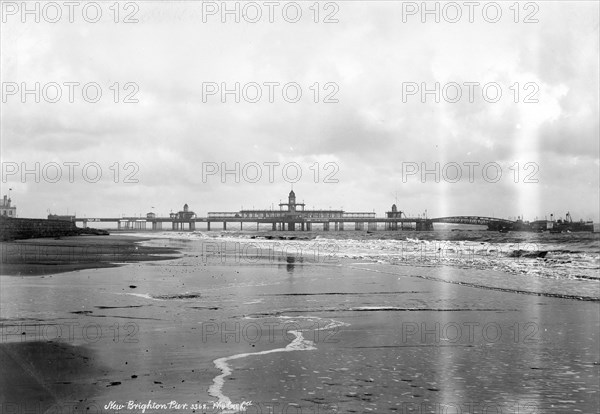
x=291, y=216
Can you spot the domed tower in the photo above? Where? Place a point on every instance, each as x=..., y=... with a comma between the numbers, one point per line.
x=394, y=208
x=292, y=201
x=185, y=208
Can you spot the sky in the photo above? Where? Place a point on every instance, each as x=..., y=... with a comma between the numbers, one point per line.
x=490, y=111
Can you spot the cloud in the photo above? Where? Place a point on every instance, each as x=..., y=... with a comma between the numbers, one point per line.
x=364, y=62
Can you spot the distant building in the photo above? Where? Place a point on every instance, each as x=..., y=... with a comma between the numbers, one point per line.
x=291, y=210
x=184, y=214
x=6, y=209
x=394, y=213
x=397, y=214
x=150, y=215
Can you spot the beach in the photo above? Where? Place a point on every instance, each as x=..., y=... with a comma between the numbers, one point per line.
x=232, y=325
x=65, y=254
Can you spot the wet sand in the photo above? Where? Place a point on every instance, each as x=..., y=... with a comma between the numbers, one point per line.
x=46, y=376
x=66, y=254
x=376, y=338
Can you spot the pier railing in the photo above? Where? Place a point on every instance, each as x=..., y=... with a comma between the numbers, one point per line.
x=358, y=215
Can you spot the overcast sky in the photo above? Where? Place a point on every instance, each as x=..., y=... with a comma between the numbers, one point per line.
x=370, y=141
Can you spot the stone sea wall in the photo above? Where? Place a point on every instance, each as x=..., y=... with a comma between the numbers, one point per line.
x=24, y=228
